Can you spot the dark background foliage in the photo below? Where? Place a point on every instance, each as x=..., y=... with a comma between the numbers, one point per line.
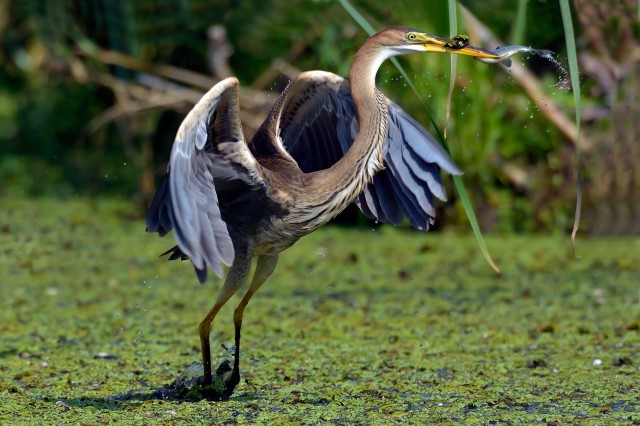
x=92, y=91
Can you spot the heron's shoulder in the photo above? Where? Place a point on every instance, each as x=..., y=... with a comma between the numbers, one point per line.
x=319, y=77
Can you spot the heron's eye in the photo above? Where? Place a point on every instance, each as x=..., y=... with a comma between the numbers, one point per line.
x=411, y=36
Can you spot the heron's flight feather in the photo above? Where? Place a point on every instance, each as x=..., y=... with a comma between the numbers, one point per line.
x=318, y=124
x=209, y=155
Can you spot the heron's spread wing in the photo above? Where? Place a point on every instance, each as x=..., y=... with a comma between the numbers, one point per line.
x=209, y=158
x=318, y=124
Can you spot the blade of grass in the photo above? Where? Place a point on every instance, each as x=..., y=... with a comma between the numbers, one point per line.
x=457, y=180
x=453, y=30
x=462, y=193
x=366, y=26
x=570, y=41
x=517, y=34
x=360, y=20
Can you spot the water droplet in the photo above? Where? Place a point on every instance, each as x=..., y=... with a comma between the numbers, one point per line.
x=321, y=251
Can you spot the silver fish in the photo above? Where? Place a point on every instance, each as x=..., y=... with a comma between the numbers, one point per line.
x=505, y=52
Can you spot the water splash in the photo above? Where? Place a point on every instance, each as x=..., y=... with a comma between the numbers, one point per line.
x=506, y=52
x=550, y=56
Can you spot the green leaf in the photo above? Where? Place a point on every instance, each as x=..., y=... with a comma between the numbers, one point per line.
x=360, y=20
x=453, y=30
x=458, y=183
x=517, y=33
x=457, y=180
x=570, y=41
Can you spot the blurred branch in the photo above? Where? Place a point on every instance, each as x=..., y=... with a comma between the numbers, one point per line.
x=250, y=97
x=528, y=81
x=219, y=51
x=111, y=57
x=145, y=99
x=162, y=78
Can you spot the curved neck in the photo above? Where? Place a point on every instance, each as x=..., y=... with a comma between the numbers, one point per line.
x=350, y=175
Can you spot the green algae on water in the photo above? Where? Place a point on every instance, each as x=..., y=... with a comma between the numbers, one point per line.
x=383, y=324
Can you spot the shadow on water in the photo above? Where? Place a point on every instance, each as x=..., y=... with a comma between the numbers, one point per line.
x=187, y=387
x=126, y=400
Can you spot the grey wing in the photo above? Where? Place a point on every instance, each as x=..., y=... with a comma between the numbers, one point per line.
x=209, y=156
x=318, y=124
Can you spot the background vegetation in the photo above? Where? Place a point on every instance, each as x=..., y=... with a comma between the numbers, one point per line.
x=91, y=93
x=392, y=326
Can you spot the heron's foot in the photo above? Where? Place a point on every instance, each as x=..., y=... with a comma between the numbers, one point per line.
x=223, y=384
x=190, y=385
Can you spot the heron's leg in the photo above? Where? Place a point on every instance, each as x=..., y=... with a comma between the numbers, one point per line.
x=236, y=276
x=264, y=267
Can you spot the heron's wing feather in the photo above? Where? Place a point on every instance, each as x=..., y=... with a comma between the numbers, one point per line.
x=209, y=156
x=318, y=124
x=301, y=127
x=413, y=160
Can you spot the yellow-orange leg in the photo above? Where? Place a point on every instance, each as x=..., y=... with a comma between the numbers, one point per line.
x=264, y=267
x=237, y=276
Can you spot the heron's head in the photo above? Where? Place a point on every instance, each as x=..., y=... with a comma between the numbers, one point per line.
x=403, y=40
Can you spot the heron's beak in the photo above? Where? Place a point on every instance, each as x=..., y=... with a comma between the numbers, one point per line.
x=458, y=45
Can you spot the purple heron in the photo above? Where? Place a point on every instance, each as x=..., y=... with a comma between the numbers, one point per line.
x=328, y=142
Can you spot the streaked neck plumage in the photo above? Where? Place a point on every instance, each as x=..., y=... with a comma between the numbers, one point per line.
x=349, y=176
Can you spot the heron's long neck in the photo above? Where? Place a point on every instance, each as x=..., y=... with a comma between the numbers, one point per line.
x=349, y=176
x=364, y=157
